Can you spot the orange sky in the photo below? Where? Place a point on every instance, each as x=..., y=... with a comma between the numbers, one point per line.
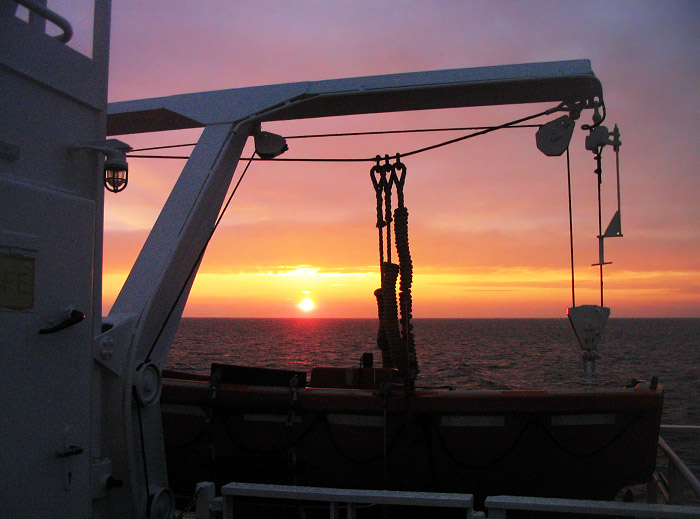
x=488, y=217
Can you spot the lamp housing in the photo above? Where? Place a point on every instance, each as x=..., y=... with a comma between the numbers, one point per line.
x=116, y=169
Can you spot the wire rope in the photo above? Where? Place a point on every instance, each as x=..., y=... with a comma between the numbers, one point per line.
x=165, y=147
x=483, y=131
x=571, y=229
x=199, y=258
x=417, y=130
x=356, y=134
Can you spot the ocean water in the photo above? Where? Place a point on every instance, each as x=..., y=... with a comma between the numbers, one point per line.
x=471, y=354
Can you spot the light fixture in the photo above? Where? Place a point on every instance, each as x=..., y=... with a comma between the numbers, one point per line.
x=116, y=169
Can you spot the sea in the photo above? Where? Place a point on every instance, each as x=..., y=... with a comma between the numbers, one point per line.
x=496, y=354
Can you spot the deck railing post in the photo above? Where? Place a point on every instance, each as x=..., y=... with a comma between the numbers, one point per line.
x=678, y=473
x=228, y=507
x=206, y=492
x=497, y=513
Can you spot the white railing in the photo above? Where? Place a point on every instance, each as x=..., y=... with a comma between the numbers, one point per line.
x=44, y=12
x=336, y=497
x=498, y=507
x=678, y=472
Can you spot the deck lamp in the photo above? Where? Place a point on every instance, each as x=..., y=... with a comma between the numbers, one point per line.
x=116, y=169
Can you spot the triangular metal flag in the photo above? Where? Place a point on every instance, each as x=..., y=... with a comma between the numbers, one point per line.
x=614, y=229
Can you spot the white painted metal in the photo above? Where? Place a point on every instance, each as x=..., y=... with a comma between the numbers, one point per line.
x=335, y=496
x=144, y=317
x=510, y=84
x=678, y=473
x=206, y=493
x=498, y=507
x=51, y=459
x=40, y=13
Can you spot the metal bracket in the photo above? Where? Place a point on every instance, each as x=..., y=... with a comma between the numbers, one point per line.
x=110, y=348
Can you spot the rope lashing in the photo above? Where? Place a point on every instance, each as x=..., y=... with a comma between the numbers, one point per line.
x=388, y=332
x=396, y=341
x=406, y=268
x=390, y=273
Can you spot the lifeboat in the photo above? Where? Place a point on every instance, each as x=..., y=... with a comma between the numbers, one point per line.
x=360, y=428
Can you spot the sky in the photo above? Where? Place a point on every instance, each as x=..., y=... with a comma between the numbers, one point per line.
x=489, y=229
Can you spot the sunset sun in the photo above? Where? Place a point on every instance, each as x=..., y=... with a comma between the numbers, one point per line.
x=306, y=304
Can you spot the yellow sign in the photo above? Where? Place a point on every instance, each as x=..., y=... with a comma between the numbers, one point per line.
x=16, y=282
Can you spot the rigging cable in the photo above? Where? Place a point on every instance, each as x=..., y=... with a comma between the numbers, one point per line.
x=488, y=129
x=417, y=130
x=571, y=229
x=196, y=263
x=599, y=173
x=355, y=134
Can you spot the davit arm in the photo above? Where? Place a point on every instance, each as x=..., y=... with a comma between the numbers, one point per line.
x=140, y=327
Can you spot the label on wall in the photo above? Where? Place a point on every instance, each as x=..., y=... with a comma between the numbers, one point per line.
x=16, y=282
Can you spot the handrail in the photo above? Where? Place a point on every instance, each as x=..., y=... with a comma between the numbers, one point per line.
x=58, y=20
x=351, y=497
x=498, y=507
x=672, y=427
x=675, y=463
